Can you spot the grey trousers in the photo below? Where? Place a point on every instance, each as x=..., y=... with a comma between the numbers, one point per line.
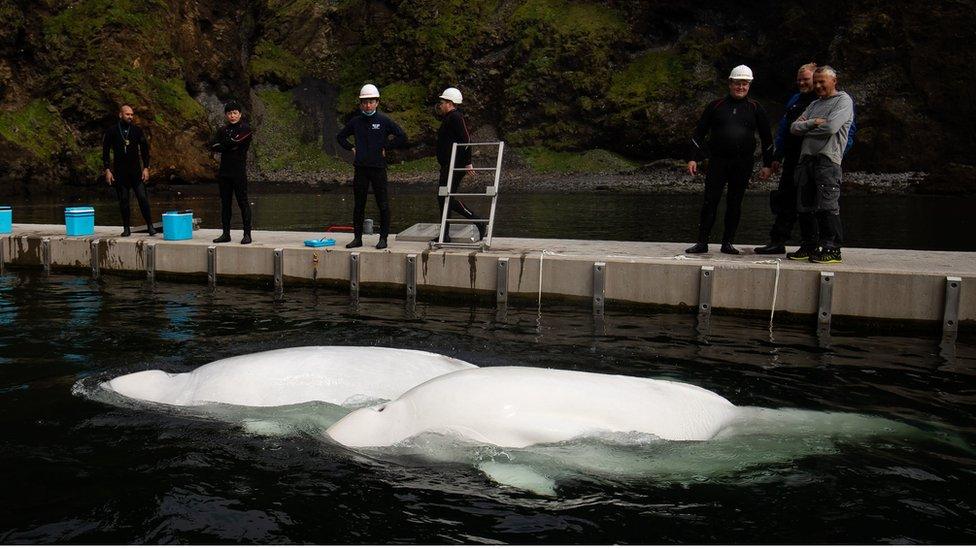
x=818, y=201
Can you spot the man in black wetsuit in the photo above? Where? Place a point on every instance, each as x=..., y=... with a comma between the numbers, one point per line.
x=127, y=143
x=232, y=142
x=786, y=155
x=730, y=124
x=371, y=130
x=454, y=130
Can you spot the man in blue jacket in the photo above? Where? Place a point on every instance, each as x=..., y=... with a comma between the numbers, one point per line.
x=372, y=131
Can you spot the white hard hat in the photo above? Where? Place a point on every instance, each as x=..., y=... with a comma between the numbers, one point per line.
x=453, y=95
x=369, y=91
x=741, y=72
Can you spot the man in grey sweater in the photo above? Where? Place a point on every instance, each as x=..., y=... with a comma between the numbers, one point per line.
x=824, y=126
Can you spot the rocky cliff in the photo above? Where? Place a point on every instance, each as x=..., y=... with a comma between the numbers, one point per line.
x=547, y=76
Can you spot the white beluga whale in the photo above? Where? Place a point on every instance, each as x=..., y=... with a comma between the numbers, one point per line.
x=331, y=374
x=515, y=407
x=530, y=427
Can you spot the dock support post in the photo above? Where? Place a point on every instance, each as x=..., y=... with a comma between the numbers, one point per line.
x=599, y=287
x=410, y=264
x=212, y=266
x=705, y=276
x=151, y=262
x=279, y=270
x=501, y=281
x=93, y=252
x=354, y=275
x=950, y=316
x=46, y=255
x=3, y=253
x=826, y=302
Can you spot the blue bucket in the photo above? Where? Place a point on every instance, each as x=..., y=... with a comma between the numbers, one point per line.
x=6, y=220
x=79, y=220
x=178, y=225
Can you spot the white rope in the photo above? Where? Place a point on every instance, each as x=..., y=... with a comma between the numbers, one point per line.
x=542, y=255
x=772, y=308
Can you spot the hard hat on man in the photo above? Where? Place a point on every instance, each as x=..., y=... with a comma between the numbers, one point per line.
x=741, y=72
x=453, y=95
x=369, y=91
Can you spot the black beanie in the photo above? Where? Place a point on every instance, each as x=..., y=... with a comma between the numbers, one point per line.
x=233, y=106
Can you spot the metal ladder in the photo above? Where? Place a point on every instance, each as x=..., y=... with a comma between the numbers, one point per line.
x=490, y=191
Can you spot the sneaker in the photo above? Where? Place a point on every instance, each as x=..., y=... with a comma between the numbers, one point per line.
x=151, y=231
x=222, y=238
x=482, y=230
x=771, y=249
x=826, y=255
x=801, y=254
x=381, y=245
x=246, y=239
x=728, y=248
x=699, y=248
x=356, y=243
x=126, y=232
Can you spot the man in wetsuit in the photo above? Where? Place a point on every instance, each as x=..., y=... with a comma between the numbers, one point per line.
x=128, y=146
x=730, y=125
x=232, y=142
x=786, y=155
x=454, y=130
x=371, y=130
x=825, y=127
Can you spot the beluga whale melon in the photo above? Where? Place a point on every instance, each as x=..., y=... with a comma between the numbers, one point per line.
x=331, y=374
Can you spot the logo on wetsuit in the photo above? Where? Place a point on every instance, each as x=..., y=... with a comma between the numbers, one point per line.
x=376, y=126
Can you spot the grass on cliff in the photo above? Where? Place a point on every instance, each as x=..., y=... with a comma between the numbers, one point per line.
x=272, y=63
x=279, y=146
x=596, y=161
x=38, y=128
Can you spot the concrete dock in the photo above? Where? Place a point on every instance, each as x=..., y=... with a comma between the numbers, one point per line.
x=918, y=286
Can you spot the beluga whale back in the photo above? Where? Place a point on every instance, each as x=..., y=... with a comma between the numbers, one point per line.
x=517, y=407
x=332, y=374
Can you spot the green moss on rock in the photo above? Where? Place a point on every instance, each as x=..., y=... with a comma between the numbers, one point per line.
x=272, y=63
x=543, y=160
x=38, y=128
x=279, y=146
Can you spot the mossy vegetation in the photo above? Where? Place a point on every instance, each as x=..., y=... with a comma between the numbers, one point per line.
x=279, y=146
x=427, y=164
x=598, y=161
x=38, y=128
x=272, y=63
x=653, y=75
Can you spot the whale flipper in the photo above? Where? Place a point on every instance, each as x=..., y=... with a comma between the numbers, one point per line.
x=521, y=477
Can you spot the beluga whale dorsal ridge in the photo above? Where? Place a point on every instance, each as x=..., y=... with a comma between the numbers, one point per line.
x=517, y=407
x=332, y=374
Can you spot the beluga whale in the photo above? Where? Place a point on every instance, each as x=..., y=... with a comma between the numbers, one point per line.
x=516, y=407
x=529, y=427
x=337, y=375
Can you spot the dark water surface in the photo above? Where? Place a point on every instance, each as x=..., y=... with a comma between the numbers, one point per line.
x=83, y=471
x=872, y=221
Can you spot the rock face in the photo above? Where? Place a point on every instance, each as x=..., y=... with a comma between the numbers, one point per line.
x=629, y=76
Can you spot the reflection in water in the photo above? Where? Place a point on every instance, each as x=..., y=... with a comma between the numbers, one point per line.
x=877, y=221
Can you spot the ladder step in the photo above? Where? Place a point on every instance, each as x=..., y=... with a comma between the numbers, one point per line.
x=486, y=195
x=475, y=169
x=466, y=220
